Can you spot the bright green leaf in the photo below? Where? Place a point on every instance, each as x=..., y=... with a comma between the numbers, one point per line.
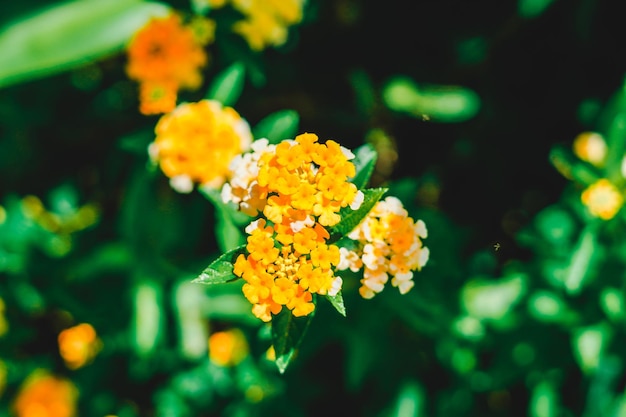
x=351, y=218
x=337, y=302
x=228, y=85
x=578, y=269
x=410, y=401
x=228, y=219
x=440, y=103
x=589, y=344
x=555, y=225
x=148, y=316
x=278, y=126
x=65, y=36
x=544, y=400
x=612, y=303
x=493, y=299
x=364, y=162
x=287, y=334
x=220, y=270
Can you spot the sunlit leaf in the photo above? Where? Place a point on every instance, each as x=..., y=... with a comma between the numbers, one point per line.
x=440, y=103
x=410, y=401
x=487, y=299
x=148, y=316
x=612, y=302
x=287, y=334
x=221, y=269
x=579, y=269
x=589, y=344
x=364, y=162
x=544, y=401
x=351, y=218
x=228, y=85
x=278, y=126
x=546, y=306
x=70, y=34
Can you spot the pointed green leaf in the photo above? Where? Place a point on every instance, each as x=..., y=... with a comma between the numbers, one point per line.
x=287, y=334
x=221, y=269
x=364, y=162
x=337, y=302
x=70, y=34
x=351, y=218
x=278, y=126
x=228, y=85
x=584, y=254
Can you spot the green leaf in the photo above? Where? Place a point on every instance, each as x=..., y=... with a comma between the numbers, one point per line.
x=532, y=8
x=228, y=221
x=440, y=103
x=351, y=218
x=148, y=324
x=364, y=162
x=589, y=344
x=585, y=253
x=227, y=85
x=278, y=126
x=221, y=270
x=65, y=36
x=287, y=334
x=571, y=167
x=544, y=401
x=337, y=302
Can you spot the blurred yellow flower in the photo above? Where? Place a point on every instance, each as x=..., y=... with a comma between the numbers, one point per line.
x=166, y=55
x=196, y=142
x=590, y=147
x=266, y=22
x=228, y=347
x=45, y=395
x=602, y=199
x=389, y=245
x=78, y=345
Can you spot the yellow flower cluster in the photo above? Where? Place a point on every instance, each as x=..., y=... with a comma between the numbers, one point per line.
x=165, y=56
x=44, y=394
x=78, y=345
x=266, y=22
x=299, y=186
x=603, y=199
x=196, y=142
x=389, y=243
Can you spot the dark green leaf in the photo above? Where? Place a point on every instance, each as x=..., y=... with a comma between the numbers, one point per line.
x=228, y=85
x=351, y=218
x=278, y=126
x=287, y=334
x=365, y=161
x=228, y=221
x=221, y=269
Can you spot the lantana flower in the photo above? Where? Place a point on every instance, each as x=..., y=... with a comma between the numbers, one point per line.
x=228, y=347
x=78, y=345
x=389, y=245
x=165, y=56
x=196, y=142
x=45, y=394
x=298, y=188
x=603, y=199
x=266, y=22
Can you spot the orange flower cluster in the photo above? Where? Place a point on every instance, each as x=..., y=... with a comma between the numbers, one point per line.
x=389, y=243
x=603, y=199
x=196, y=142
x=165, y=56
x=78, y=345
x=299, y=186
x=44, y=394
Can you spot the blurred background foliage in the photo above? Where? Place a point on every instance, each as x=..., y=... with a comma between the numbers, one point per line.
x=473, y=108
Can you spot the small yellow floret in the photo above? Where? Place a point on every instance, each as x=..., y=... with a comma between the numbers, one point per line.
x=590, y=147
x=602, y=199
